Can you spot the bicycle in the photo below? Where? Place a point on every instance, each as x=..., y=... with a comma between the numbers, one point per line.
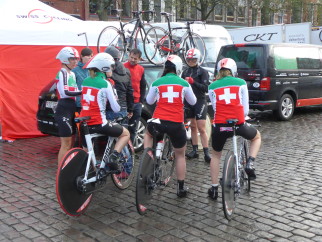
x=158, y=43
x=126, y=37
x=155, y=169
x=80, y=174
x=235, y=180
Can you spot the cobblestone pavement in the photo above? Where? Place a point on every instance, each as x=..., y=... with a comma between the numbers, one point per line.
x=285, y=203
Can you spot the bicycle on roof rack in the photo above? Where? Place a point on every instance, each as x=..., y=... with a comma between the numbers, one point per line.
x=80, y=173
x=160, y=43
x=128, y=36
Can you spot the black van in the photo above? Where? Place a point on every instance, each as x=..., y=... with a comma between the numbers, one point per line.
x=280, y=77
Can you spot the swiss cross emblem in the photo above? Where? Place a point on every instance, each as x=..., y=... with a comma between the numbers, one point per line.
x=88, y=97
x=170, y=94
x=190, y=53
x=227, y=96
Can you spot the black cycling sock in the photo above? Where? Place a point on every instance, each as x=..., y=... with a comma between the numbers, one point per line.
x=195, y=148
x=206, y=151
x=251, y=159
x=180, y=184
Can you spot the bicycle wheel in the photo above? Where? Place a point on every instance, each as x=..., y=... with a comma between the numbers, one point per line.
x=71, y=198
x=111, y=36
x=194, y=41
x=139, y=37
x=156, y=45
x=145, y=181
x=167, y=162
x=243, y=154
x=228, y=185
x=124, y=179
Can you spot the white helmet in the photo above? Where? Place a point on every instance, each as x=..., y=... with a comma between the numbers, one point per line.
x=193, y=54
x=102, y=61
x=227, y=63
x=66, y=53
x=174, y=61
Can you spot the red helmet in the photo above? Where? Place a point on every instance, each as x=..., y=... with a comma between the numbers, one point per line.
x=66, y=53
x=193, y=54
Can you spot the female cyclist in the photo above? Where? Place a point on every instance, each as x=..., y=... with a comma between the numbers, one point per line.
x=229, y=98
x=67, y=91
x=169, y=92
x=96, y=92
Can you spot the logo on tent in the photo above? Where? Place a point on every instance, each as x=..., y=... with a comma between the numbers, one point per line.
x=40, y=16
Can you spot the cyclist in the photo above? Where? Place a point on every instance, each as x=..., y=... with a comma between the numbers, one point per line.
x=67, y=91
x=96, y=92
x=169, y=91
x=229, y=98
x=198, y=78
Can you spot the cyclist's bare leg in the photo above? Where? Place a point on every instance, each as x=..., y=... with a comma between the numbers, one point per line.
x=255, y=145
x=122, y=140
x=180, y=162
x=194, y=131
x=201, y=124
x=148, y=140
x=66, y=144
x=215, y=166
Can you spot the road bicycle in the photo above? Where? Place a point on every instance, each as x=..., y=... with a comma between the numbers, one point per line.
x=155, y=169
x=159, y=43
x=130, y=35
x=235, y=180
x=82, y=172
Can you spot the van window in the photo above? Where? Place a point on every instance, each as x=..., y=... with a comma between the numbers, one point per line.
x=308, y=58
x=213, y=45
x=246, y=57
x=285, y=58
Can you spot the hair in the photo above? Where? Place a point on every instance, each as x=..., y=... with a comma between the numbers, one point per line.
x=136, y=52
x=86, y=52
x=168, y=69
x=93, y=71
x=223, y=73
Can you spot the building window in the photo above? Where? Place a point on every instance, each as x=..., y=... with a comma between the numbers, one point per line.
x=254, y=17
x=219, y=12
x=230, y=17
x=241, y=14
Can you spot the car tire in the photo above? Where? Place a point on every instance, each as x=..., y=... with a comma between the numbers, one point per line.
x=285, y=108
x=139, y=138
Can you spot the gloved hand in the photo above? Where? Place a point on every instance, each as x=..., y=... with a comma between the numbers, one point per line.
x=190, y=80
x=111, y=81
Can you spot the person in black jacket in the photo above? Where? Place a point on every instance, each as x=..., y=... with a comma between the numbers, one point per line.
x=198, y=78
x=123, y=85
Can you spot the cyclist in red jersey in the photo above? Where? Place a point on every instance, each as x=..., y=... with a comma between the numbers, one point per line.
x=96, y=92
x=67, y=91
x=169, y=93
x=229, y=99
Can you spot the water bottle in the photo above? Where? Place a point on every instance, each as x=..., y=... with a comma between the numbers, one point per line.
x=159, y=149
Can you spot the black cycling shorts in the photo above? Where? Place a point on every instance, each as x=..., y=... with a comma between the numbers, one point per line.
x=64, y=117
x=221, y=132
x=176, y=132
x=197, y=111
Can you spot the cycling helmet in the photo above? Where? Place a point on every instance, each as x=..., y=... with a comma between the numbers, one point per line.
x=227, y=63
x=175, y=62
x=66, y=53
x=113, y=51
x=102, y=61
x=193, y=54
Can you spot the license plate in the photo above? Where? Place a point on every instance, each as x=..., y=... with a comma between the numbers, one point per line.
x=51, y=104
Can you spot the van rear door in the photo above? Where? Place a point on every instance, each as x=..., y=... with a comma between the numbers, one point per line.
x=251, y=65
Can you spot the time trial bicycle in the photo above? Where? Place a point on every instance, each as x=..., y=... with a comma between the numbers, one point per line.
x=160, y=43
x=155, y=169
x=235, y=180
x=128, y=36
x=82, y=172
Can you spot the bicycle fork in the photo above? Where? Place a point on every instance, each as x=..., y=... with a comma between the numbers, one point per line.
x=237, y=171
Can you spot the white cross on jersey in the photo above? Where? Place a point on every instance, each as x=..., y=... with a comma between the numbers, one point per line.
x=227, y=96
x=170, y=94
x=88, y=97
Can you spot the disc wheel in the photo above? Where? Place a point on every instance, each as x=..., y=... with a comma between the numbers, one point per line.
x=72, y=196
x=156, y=45
x=125, y=178
x=194, y=41
x=228, y=185
x=145, y=181
x=167, y=162
x=111, y=36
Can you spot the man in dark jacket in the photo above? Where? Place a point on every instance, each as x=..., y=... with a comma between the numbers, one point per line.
x=122, y=79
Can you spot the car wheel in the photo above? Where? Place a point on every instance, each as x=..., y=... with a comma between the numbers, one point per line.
x=286, y=108
x=138, y=141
